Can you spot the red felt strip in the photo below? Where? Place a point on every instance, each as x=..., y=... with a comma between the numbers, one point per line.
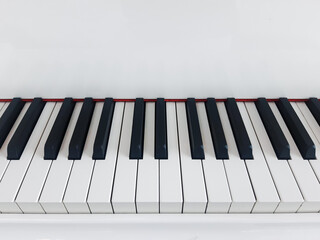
x=154, y=100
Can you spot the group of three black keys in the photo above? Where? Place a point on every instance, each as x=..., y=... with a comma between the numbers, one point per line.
x=280, y=145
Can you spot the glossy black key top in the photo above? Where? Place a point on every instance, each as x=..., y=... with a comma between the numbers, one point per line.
x=9, y=117
x=81, y=129
x=314, y=107
x=59, y=128
x=195, y=138
x=273, y=129
x=101, y=142
x=299, y=134
x=161, y=147
x=137, y=135
x=217, y=133
x=22, y=134
x=239, y=130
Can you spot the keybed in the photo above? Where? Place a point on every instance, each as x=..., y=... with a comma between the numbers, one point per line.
x=149, y=157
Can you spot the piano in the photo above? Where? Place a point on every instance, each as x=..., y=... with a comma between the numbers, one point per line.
x=163, y=120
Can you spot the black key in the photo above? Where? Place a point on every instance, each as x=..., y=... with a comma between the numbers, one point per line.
x=54, y=141
x=239, y=130
x=9, y=117
x=101, y=142
x=161, y=147
x=217, y=134
x=137, y=135
x=276, y=136
x=299, y=134
x=314, y=107
x=21, y=136
x=81, y=129
x=195, y=138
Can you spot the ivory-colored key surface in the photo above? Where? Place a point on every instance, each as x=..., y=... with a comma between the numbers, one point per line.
x=3, y=149
x=75, y=197
x=147, y=193
x=243, y=198
x=58, y=176
x=219, y=198
x=99, y=197
x=170, y=188
x=267, y=198
x=3, y=107
x=305, y=177
x=313, y=129
x=194, y=189
x=124, y=186
x=287, y=188
x=16, y=169
x=31, y=187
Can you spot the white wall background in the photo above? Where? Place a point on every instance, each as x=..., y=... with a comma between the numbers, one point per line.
x=167, y=48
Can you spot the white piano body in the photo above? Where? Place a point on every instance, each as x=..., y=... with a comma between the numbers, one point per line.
x=171, y=49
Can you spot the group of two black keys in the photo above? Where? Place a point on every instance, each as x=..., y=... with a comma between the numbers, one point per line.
x=76, y=145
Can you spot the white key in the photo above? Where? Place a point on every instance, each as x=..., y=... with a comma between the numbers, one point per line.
x=99, y=197
x=170, y=188
x=147, y=195
x=124, y=187
x=16, y=169
x=219, y=199
x=194, y=189
x=57, y=178
x=31, y=187
x=313, y=130
x=288, y=190
x=241, y=191
x=75, y=198
x=267, y=198
x=305, y=177
x=3, y=150
x=2, y=105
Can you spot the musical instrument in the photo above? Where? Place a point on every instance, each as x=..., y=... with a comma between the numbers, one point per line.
x=160, y=157
x=198, y=107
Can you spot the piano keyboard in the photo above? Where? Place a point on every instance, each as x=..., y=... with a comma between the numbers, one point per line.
x=159, y=156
